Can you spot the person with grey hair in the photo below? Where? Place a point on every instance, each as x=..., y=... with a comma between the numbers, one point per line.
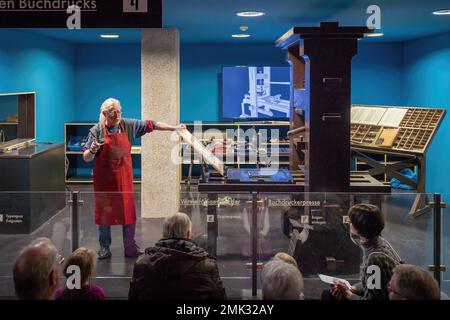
x=36, y=270
x=109, y=143
x=281, y=280
x=176, y=267
x=410, y=282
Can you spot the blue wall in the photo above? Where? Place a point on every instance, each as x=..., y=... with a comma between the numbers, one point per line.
x=376, y=72
x=427, y=84
x=104, y=71
x=30, y=62
x=96, y=72
x=71, y=80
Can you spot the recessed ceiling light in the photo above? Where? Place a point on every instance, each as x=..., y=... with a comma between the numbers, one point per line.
x=109, y=36
x=441, y=12
x=379, y=34
x=240, y=35
x=250, y=14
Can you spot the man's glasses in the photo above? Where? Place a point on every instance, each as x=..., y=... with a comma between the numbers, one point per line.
x=59, y=259
x=390, y=290
x=113, y=112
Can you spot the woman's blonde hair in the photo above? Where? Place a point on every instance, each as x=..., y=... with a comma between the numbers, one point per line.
x=286, y=258
x=106, y=106
x=84, y=258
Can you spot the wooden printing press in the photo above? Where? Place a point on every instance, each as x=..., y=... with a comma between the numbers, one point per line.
x=320, y=59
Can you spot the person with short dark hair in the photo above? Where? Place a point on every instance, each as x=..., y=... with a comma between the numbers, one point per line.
x=410, y=282
x=176, y=268
x=84, y=259
x=367, y=223
x=36, y=270
x=367, y=220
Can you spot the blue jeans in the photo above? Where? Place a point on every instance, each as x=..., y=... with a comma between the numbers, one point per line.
x=128, y=232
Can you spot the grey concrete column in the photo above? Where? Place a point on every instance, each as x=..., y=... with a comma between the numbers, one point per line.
x=160, y=65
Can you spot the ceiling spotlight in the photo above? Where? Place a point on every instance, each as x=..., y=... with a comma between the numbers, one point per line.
x=240, y=35
x=250, y=14
x=379, y=34
x=442, y=12
x=109, y=36
x=243, y=28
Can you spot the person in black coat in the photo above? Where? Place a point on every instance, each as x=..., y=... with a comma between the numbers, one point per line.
x=176, y=268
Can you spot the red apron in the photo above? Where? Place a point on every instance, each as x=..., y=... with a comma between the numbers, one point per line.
x=113, y=181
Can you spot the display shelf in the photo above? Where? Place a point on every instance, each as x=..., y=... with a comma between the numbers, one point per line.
x=385, y=140
x=78, y=171
x=403, y=129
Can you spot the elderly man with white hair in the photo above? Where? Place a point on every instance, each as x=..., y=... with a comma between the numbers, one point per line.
x=281, y=281
x=36, y=270
x=176, y=268
x=109, y=143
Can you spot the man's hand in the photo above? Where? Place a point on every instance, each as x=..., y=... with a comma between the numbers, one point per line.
x=340, y=291
x=167, y=127
x=95, y=146
x=89, y=154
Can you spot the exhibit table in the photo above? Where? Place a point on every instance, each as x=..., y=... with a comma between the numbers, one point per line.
x=32, y=188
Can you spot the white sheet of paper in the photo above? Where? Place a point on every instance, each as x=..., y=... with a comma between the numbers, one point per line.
x=332, y=280
x=393, y=117
x=206, y=154
x=367, y=115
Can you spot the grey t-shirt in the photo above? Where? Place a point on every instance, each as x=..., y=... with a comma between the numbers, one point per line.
x=134, y=128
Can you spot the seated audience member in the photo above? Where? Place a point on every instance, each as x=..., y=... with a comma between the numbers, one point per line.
x=281, y=280
x=286, y=258
x=176, y=268
x=412, y=283
x=367, y=223
x=84, y=259
x=36, y=270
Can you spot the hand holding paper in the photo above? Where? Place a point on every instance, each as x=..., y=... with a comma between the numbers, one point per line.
x=334, y=280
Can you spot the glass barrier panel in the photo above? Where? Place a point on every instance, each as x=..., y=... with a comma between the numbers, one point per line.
x=113, y=269
x=26, y=217
x=234, y=243
x=314, y=229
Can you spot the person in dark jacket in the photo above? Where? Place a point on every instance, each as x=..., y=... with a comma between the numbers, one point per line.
x=379, y=258
x=176, y=268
